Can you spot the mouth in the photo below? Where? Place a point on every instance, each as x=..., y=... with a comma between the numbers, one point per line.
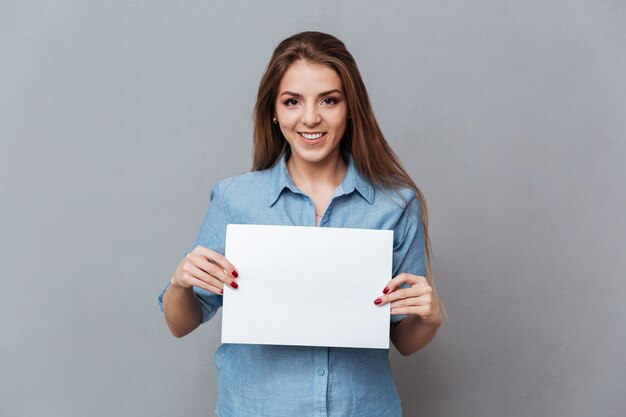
x=311, y=135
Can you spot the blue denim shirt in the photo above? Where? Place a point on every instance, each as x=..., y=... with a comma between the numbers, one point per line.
x=275, y=381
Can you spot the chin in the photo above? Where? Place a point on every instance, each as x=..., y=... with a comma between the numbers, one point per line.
x=315, y=157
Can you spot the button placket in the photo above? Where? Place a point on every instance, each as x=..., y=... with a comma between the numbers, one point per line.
x=320, y=356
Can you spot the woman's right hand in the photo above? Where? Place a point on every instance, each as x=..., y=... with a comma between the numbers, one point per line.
x=205, y=269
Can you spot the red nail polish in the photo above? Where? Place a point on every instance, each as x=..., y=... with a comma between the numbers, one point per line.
x=221, y=291
x=234, y=285
x=378, y=301
x=235, y=274
x=386, y=290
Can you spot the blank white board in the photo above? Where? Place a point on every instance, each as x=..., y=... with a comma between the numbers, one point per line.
x=307, y=286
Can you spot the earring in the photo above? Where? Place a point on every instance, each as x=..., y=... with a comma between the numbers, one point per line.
x=274, y=119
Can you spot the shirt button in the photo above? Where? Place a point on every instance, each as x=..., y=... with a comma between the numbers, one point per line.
x=320, y=372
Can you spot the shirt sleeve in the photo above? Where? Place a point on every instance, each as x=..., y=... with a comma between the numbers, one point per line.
x=409, y=254
x=212, y=235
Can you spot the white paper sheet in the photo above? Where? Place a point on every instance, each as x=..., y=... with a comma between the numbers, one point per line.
x=307, y=286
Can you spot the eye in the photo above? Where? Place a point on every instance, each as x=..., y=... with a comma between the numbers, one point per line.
x=329, y=101
x=290, y=102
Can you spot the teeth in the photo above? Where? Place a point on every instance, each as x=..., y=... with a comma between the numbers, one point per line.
x=311, y=135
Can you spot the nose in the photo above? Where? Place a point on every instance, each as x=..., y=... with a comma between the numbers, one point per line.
x=310, y=115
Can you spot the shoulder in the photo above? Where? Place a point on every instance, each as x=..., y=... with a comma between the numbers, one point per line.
x=248, y=186
x=247, y=180
x=403, y=200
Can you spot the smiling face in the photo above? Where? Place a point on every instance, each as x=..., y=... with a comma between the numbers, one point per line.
x=312, y=112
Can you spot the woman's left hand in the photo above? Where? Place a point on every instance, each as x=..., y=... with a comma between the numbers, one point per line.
x=419, y=299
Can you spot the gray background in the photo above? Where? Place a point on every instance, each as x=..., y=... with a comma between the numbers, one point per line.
x=116, y=117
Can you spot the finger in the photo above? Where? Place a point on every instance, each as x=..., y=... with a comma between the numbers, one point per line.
x=424, y=300
x=192, y=273
x=217, y=273
x=401, y=279
x=396, y=295
x=201, y=262
x=218, y=259
x=211, y=288
x=404, y=293
x=411, y=292
x=421, y=311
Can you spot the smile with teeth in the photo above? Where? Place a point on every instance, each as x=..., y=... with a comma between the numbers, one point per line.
x=311, y=136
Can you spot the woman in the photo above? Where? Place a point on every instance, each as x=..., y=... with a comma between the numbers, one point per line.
x=319, y=158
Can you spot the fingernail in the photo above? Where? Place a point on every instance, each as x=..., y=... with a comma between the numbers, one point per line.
x=234, y=285
x=221, y=291
x=235, y=274
x=378, y=301
x=386, y=290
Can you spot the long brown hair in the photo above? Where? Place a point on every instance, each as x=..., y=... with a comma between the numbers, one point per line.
x=363, y=139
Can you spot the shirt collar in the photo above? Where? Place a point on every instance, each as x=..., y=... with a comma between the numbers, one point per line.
x=280, y=179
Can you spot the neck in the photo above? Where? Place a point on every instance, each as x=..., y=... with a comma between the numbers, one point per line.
x=314, y=175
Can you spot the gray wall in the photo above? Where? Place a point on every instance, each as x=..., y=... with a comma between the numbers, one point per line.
x=117, y=116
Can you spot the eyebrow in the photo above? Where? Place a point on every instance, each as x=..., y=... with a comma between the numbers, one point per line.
x=325, y=93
